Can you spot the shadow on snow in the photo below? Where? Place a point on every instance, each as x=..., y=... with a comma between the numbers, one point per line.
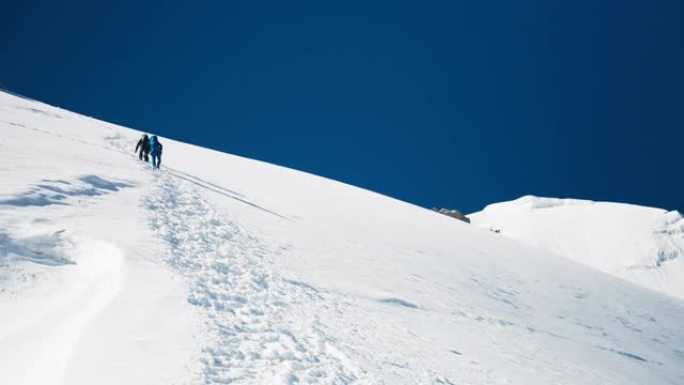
x=44, y=249
x=57, y=192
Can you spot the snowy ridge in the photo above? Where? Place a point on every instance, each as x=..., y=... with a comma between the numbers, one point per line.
x=533, y=202
x=219, y=269
x=641, y=244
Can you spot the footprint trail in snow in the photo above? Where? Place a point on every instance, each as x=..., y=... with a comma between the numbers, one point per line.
x=244, y=303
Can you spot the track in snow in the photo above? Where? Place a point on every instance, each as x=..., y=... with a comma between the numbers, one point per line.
x=244, y=303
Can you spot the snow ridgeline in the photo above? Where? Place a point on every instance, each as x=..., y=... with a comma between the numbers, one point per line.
x=221, y=269
x=640, y=244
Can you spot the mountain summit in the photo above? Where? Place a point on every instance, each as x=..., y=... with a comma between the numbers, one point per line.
x=643, y=245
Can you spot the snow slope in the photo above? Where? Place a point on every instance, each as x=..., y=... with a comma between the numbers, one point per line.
x=220, y=269
x=641, y=244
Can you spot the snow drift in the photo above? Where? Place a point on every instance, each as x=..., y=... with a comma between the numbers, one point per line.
x=220, y=269
x=641, y=244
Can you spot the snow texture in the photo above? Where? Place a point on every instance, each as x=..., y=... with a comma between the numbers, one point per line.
x=218, y=269
x=641, y=244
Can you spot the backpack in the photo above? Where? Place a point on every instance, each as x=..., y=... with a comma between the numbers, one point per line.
x=145, y=143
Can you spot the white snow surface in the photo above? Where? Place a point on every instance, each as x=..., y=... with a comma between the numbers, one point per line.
x=641, y=244
x=218, y=269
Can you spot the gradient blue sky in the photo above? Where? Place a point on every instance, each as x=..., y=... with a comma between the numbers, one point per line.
x=454, y=104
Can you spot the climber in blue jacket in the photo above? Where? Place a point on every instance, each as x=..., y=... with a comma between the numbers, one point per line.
x=155, y=151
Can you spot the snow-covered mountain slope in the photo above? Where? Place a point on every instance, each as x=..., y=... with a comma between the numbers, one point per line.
x=641, y=244
x=219, y=269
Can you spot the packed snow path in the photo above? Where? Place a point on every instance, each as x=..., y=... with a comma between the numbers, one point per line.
x=243, y=301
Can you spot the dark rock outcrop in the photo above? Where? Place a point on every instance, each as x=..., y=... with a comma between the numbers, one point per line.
x=452, y=213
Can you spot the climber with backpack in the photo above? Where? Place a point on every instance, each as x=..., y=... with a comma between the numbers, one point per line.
x=144, y=147
x=155, y=151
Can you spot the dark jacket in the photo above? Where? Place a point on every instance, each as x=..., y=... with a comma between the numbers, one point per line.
x=143, y=144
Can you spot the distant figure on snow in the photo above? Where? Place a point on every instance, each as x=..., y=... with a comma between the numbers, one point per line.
x=144, y=147
x=155, y=151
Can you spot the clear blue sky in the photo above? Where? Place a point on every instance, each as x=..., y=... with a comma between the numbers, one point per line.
x=454, y=104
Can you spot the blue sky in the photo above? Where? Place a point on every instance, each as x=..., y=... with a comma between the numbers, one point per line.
x=453, y=104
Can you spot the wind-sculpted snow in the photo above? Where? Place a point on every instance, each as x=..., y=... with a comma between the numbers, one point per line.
x=669, y=239
x=534, y=202
x=53, y=286
x=250, y=339
x=45, y=249
x=57, y=192
x=641, y=244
